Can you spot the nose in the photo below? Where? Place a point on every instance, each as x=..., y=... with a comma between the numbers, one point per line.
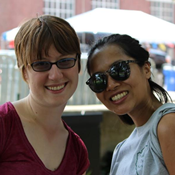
x=55, y=73
x=112, y=84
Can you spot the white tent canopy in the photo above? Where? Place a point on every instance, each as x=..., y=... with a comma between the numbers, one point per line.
x=140, y=25
x=10, y=34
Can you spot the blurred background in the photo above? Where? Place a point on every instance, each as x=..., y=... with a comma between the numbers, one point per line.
x=152, y=22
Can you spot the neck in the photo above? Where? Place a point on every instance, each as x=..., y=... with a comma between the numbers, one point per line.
x=144, y=111
x=46, y=116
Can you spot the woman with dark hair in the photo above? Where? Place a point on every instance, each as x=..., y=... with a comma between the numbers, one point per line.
x=34, y=140
x=120, y=75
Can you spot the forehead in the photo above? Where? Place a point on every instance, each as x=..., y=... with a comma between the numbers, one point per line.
x=102, y=58
x=52, y=52
x=107, y=52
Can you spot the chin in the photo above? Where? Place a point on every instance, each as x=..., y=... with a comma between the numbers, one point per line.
x=118, y=111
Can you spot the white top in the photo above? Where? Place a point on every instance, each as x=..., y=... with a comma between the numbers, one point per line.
x=140, y=153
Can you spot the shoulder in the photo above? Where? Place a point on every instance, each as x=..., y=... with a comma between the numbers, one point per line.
x=119, y=145
x=165, y=109
x=167, y=118
x=4, y=108
x=166, y=137
x=6, y=122
x=75, y=140
x=163, y=113
x=77, y=148
x=117, y=150
x=8, y=117
x=7, y=112
x=166, y=125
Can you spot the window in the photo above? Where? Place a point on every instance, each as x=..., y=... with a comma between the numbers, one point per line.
x=163, y=10
x=114, y=4
x=60, y=8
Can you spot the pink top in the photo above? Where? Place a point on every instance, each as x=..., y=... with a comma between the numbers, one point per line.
x=17, y=156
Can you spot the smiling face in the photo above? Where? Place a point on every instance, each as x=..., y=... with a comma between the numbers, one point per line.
x=121, y=97
x=55, y=86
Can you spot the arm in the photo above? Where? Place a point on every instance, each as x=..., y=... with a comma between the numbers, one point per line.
x=84, y=173
x=166, y=136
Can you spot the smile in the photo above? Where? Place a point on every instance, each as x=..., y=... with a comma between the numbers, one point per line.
x=119, y=96
x=56, y=88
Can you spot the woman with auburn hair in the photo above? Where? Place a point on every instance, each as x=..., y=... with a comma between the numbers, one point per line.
x=34, y=140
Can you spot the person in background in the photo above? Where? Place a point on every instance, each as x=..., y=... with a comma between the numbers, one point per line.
x=120, y=76
x=34, y=140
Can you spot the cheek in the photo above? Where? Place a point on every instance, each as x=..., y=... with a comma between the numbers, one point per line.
x=75, y=71
x=136, y=77
x=34, y=80
x=138, y=86
x=75, y=79
x=101, y=97
x=72, y=75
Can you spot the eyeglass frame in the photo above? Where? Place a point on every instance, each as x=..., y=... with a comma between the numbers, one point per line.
x=52, y=63
x=109, y=71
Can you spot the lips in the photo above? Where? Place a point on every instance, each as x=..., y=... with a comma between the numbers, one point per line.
x=55, y=88
x=119, y=96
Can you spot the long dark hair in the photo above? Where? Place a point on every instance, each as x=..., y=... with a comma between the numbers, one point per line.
x=132, y=48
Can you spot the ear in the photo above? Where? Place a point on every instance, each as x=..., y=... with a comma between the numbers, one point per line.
x=147, y=69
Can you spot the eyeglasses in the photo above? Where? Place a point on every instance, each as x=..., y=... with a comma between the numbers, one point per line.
x=41, y=66
x=119, y=71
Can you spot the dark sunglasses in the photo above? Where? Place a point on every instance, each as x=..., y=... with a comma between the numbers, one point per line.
x=119, y=71
x=41, y=66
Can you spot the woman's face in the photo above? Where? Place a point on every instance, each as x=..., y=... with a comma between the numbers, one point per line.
x=121, y=97
x=55, y=86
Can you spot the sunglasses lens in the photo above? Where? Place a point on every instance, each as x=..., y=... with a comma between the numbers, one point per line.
x=66, y=63
x=120, y=71
x=98, y=82
x=41, y=66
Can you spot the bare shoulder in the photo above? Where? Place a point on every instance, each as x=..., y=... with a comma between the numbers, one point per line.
x=167, y=124
x=166, y=137
x=166, y=131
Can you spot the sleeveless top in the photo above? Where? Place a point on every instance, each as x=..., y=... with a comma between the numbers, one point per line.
x=140, y=153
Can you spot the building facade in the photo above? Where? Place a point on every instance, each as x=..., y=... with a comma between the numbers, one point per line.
x=13, y=12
